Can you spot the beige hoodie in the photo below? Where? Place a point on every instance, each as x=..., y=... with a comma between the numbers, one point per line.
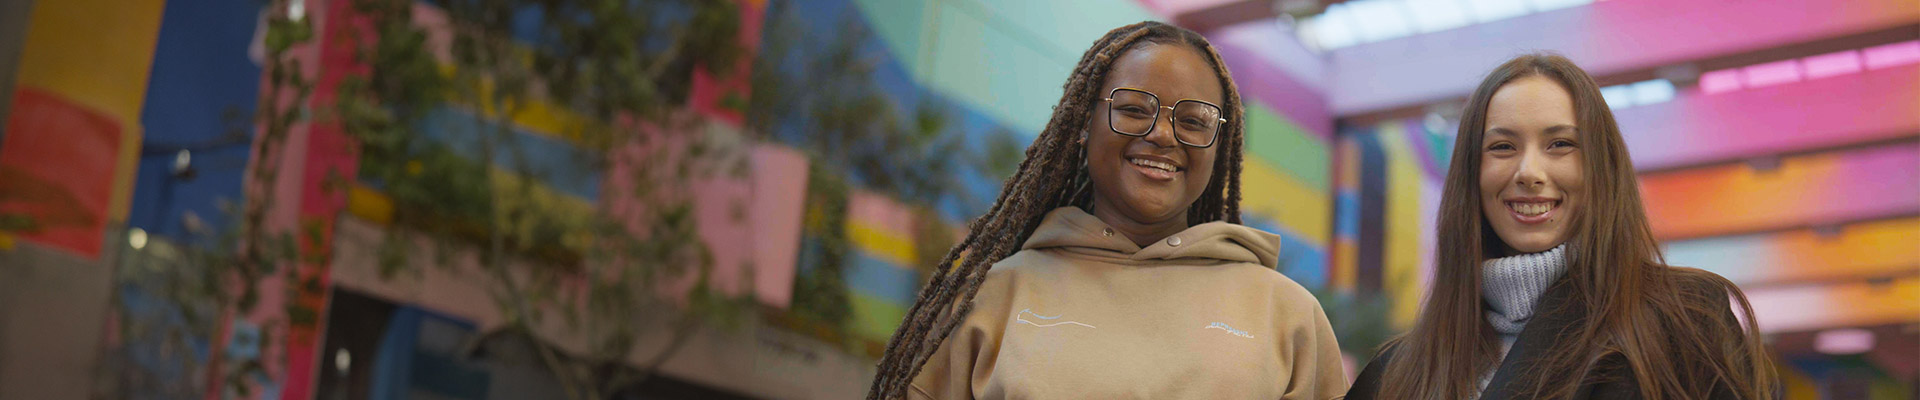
x=1081, y=312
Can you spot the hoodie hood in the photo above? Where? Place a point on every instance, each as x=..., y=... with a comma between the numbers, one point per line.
x=1070, y=228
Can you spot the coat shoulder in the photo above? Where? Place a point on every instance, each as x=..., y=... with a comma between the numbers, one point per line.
x=1367, y=385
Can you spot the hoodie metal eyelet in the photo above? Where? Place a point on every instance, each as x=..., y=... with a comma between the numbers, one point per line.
x=1107, y=232
x=1173, y=241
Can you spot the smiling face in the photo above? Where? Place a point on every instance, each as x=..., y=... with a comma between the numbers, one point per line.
x=1152, y=180
x=1531, y=180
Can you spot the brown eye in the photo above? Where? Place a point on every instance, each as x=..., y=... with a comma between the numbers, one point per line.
x=1500, y=146
x=1560, y=143
x=1192, y=123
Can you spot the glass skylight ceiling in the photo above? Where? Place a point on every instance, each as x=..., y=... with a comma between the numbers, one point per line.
x=1365, y=21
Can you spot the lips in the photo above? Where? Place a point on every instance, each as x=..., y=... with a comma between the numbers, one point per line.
x=1532, y=210
x=1154, y=167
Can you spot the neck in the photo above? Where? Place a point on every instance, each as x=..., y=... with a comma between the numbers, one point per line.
x=1142, y=233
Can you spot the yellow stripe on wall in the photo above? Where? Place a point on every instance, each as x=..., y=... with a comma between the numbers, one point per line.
x=1401, y=269
x=1268, y=192
x=894, y=248
x=538, y=116
x=375, y=206
x=370, y=205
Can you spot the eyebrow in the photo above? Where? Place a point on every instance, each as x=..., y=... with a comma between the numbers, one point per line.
x=1556, y=129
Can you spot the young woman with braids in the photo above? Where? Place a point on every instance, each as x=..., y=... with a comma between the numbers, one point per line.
x=1548, y=281
x=1113, y=264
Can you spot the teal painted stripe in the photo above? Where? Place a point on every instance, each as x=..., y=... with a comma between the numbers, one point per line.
x=1006, y=58
x=1006, y=77
x=901, y=25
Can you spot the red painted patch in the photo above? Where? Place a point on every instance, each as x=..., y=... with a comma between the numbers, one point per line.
x=56, y=165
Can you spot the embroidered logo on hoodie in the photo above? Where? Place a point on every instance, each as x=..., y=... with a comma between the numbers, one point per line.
x=1223, y=326
x=1045, y=321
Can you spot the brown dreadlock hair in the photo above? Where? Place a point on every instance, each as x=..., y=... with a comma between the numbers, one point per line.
x=1051, y=176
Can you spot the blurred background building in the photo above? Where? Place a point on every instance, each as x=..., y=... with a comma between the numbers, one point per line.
x=494, y=199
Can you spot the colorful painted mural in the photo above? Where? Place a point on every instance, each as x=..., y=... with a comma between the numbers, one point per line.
x=766, y=214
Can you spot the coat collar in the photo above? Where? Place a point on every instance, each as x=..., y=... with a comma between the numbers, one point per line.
x=1554, y=318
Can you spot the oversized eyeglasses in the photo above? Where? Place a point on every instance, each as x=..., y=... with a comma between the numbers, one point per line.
x=1134, y=112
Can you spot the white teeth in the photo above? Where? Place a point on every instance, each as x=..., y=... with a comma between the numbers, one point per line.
x=1531, y=209
x=1153, y=164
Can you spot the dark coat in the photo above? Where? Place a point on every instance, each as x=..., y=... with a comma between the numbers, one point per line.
x=1609, y=378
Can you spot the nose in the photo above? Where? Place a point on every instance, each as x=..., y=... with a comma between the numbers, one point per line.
x=1532, y=172
x=1162, y=133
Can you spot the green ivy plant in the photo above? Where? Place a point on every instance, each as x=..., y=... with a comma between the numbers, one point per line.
x=625, y=72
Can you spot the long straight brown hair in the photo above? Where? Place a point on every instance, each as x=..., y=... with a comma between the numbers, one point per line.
x=1671, y=325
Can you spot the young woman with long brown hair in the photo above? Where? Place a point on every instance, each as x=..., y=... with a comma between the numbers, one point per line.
x=1113, y=264
x=1548, y=280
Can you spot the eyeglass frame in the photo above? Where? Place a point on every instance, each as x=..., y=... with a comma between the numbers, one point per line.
x=1156, y=117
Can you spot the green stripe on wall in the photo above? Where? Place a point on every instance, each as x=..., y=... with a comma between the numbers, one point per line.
x=1280, y=142
x=874, y=317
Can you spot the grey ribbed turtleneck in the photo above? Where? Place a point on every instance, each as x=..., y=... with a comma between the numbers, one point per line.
x=1511, y=288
